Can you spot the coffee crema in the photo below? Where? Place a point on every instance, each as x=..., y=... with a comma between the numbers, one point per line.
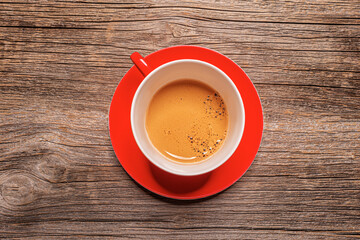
x=187, y=121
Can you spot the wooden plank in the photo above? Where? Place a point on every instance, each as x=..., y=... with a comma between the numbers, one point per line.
x=61, y=61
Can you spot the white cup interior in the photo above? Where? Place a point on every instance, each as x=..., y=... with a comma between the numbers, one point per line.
x=202, y=72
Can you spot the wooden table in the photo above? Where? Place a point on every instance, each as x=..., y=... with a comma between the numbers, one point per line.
x=60, y=62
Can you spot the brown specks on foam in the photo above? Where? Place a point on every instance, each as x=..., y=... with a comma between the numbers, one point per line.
x=206, y=140
x=205, y=146
x=215, y=106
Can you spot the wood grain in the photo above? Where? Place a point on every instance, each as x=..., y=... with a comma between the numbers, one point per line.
x=60, y=62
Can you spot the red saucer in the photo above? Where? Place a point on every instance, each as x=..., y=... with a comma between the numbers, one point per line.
x=165, y=184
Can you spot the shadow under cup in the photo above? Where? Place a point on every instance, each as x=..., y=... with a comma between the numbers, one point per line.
x=198, y=71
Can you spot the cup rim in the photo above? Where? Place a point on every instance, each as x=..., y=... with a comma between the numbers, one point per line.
x=227, y=155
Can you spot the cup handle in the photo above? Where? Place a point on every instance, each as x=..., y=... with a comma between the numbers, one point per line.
x=140, y=63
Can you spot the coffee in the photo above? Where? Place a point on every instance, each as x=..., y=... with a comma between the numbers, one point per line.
x=187, y=121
